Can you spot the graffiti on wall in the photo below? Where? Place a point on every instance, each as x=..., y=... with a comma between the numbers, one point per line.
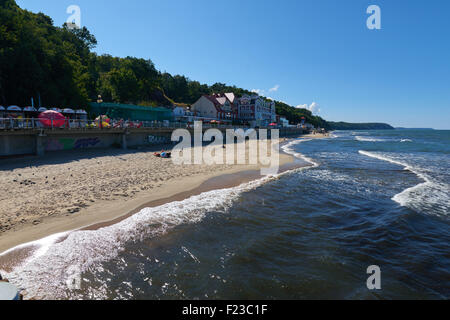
x=158, y=140
x=86, y=143
x=71, y=143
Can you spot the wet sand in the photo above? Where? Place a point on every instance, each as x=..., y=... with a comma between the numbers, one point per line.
x=33, y=211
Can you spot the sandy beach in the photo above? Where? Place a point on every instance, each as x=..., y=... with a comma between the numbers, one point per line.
x=72, y=190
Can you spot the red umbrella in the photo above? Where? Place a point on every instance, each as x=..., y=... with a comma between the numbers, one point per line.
x=46, y=119
x=273, y=124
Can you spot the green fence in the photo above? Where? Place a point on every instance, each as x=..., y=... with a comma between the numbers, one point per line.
x=131, y=112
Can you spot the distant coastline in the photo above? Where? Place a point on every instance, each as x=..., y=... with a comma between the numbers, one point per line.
x=401, y=128
x=359, y=126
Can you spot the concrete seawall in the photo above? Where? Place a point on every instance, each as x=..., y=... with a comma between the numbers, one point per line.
x=38, y=142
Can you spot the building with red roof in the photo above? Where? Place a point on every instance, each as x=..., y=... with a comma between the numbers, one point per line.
x=220, y=107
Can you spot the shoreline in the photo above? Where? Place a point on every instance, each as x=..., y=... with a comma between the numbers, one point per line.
x=105, y=212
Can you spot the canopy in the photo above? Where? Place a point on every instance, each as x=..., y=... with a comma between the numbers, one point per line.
x=49, y=118
x=2, y=108
x=57, y=110
x=14, y=108
x=42, y=109
x=69, y=111
x=81, y=112
x=29, y=109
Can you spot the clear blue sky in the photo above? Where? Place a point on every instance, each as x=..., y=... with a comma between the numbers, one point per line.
x=308, y=50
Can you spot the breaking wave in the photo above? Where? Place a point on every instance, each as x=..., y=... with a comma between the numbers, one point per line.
x=46, y=273
x=430, y=196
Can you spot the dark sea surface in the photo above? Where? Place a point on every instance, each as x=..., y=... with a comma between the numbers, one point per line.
x=371, y=198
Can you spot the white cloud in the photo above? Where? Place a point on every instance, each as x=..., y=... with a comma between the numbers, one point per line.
x=274, y=89
x=313, y=107
x=262, y=92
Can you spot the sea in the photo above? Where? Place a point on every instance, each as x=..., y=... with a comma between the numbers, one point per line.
x=366, y=198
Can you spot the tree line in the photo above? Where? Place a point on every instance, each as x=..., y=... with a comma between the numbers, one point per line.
x=56, y=66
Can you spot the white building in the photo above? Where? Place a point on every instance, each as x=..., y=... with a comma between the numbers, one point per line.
x=182, y=114
x=284, y=122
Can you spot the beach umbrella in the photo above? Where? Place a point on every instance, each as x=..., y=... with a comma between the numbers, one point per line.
x=57, y=110
x=68, y=111
x=2, y=108
x=14, y=108
x=47, y=117
x=80, y=111
x=29, y=109
x=42, y=109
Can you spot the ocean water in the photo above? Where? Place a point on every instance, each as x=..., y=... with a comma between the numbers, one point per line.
x=368, y=198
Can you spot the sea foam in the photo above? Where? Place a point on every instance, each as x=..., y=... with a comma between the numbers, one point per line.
x=287, y=148
x=429, y=196
x=46, y=273
x=368, y=139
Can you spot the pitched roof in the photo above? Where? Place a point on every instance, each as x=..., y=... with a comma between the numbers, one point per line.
x=230, y=96
x=219, y=100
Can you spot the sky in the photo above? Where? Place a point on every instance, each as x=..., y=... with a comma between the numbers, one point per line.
x=318, y=54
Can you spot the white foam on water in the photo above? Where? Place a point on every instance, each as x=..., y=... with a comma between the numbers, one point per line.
x=429, y=197
x=42, y=245
x=368, y=139
x=46, y=274
x=287, y=148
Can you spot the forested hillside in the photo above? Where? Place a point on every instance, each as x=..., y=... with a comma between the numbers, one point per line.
x=57, y=66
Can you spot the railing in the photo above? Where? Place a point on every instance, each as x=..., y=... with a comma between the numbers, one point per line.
x=77, y=124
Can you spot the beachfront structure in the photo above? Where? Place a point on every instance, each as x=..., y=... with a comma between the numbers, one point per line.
x=217, y=107
x=131, y=112
x=183, y=114
x=284, y=122
x=256, y=111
